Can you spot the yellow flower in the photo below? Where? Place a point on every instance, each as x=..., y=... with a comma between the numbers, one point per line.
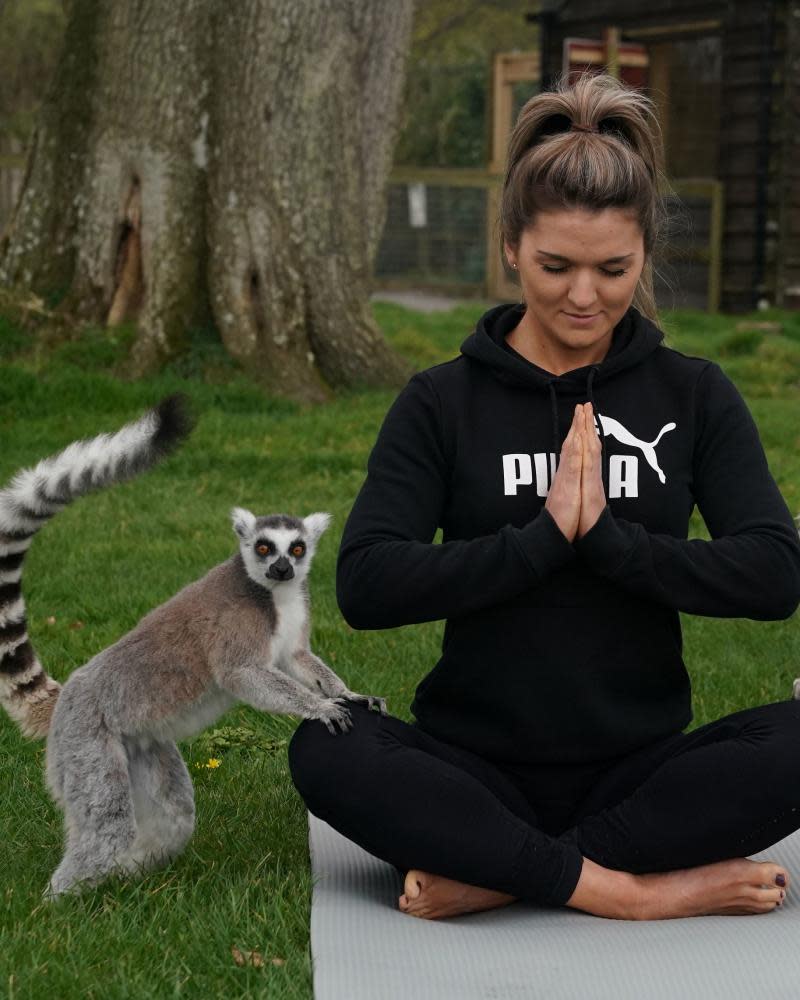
x=213, y=762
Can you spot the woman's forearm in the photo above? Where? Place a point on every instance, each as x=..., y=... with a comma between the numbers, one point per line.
x=385, y=582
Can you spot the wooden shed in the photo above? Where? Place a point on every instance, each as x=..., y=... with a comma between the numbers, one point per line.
x=726, y=76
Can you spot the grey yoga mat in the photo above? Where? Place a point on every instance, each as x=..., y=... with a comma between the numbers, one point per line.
x=364, y=948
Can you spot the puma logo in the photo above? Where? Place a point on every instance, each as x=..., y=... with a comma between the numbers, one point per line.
x=613, y=428
x=623, y=470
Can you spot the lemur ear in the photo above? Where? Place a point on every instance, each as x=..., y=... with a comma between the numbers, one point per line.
x=244, y=523
x=315, y=524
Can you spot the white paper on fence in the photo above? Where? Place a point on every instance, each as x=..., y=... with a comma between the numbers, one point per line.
x=417, y=205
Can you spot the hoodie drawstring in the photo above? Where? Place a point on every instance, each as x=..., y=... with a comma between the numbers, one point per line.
x=554, y=415
x=595, y=415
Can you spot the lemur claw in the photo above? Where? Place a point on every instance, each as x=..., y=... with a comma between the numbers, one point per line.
x=345, y=724
x=372, y=700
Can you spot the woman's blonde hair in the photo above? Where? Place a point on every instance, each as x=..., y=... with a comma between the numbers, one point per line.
x=550, y=166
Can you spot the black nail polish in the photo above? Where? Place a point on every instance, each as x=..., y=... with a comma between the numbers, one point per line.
x=780, y=880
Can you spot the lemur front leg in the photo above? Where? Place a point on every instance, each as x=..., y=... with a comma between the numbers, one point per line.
x=317, y=675
x=271, y=690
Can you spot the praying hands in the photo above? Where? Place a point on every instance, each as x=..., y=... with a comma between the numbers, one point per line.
x=577, y=498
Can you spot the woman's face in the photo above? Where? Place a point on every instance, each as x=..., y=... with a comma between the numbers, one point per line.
x=573, y=262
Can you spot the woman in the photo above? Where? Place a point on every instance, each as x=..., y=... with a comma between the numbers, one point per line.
x=547, y=761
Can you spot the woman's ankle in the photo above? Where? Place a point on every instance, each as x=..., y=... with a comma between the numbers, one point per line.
x=606, y=892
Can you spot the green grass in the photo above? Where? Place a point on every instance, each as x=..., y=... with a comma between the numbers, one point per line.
x=244, y=880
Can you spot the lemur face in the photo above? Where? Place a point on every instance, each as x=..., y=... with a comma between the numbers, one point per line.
x=277, y=548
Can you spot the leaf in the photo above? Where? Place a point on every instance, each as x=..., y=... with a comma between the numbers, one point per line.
x=254, y=958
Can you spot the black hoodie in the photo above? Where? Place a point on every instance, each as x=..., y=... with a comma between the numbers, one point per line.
x=552, y=651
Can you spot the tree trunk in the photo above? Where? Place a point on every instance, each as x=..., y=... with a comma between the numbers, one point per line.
x=198, y=158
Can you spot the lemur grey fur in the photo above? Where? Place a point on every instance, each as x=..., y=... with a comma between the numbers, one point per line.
x=240, y=633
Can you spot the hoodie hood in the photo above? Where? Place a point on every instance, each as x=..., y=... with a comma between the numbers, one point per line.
x=634, y=338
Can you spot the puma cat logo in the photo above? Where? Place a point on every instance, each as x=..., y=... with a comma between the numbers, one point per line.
x=613, y=428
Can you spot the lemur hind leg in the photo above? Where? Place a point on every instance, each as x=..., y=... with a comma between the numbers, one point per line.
x=163, y=802
x=94, y=791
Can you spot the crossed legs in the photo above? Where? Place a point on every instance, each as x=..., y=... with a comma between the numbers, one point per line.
x=457, y=826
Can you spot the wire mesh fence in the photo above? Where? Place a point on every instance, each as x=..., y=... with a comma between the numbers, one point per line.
x=441, y=229
x=435, y=235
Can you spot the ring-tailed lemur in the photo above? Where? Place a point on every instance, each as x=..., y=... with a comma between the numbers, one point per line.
x=240, y=633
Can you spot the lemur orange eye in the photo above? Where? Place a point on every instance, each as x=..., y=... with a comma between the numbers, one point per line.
x=262, y=550
x=298, y=550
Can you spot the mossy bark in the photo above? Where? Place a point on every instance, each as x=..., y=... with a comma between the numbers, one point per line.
x=196, y=157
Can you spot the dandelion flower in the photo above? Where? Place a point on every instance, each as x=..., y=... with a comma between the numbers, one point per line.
x=213, y=762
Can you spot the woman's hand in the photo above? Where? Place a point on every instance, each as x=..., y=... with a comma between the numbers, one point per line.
x=593, y=497
x=564, y=498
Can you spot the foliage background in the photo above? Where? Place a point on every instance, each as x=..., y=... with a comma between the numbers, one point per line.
x=30, y=33
x=447, y=87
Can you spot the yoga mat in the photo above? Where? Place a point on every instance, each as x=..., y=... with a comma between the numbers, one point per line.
x=364, y=948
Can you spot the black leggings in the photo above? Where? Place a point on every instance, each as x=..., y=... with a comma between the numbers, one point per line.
x=727, y=790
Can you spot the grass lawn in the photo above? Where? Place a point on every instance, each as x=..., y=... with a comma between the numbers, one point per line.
x=244, y=881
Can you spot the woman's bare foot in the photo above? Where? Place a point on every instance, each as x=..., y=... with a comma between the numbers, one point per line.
x=737, y=886
x=724, y=887
x=433, y=896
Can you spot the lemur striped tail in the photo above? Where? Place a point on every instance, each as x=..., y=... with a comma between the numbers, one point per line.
x=28, y=502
